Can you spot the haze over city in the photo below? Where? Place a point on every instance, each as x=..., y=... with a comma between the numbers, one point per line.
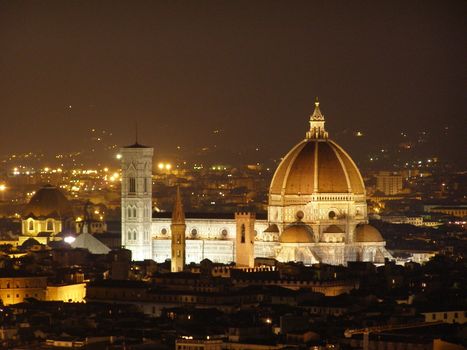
x=231, y=77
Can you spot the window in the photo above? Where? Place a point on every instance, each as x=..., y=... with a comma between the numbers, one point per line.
x=194, y=232
x=132, y=185
x=332, y=214
x=31, y=225
x=132, y=211
x=243, y=234
x=433, y=316
x=134, y=235
x=129, y=236
x=164, y=231
x=445, y=316
x=145, y=185
x=50, y=225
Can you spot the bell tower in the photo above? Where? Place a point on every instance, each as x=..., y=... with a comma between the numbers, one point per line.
x=137, y=200
x=178, y=229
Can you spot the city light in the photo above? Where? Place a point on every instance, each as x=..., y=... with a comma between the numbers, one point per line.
x=69, y=239
x=118, y=156
x=164, y=166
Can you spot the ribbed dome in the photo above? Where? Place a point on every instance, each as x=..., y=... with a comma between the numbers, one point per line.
x=317, y=166
x=48, y=202
x=298, y=232
x=367, y=233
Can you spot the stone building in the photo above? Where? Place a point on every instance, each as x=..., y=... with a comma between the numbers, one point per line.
x=317, y=212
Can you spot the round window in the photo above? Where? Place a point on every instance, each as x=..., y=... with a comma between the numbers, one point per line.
x=332, y=214
x=194, y=232
x=224, y=233
x=164, y=231
x=300, y=215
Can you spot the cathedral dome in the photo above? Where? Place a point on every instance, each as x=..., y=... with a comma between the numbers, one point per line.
x=367, y=233
x=48, y=202
x=317, y=165
x=298, y=232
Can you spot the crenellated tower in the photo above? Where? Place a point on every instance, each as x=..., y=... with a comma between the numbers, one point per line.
x=137, y=200
x=245, y=238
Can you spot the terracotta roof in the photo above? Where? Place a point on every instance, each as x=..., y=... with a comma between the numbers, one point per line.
x=367, y=233
x=298, y=232
x=48, y=202
x=317, y=166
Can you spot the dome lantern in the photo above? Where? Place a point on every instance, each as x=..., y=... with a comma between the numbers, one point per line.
x=317, y=121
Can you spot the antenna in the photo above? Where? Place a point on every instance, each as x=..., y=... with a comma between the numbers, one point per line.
x=136, y=132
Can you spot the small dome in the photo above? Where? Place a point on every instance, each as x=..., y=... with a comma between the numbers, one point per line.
x=48, y=202
x=367, y=233
x=297, y=232
x=334, y=229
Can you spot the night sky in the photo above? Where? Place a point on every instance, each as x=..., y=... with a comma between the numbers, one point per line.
x=250, y=69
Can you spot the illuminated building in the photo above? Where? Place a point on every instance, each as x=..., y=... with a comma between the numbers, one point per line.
x=48, y=213
x=317, y=212
x=16, y=286
x=389, y=183
x=178, y=229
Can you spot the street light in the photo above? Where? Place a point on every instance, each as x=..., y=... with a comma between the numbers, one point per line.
x=2, y=191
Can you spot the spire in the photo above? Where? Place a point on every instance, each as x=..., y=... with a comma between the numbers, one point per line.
x=136, y=132
x=178, y=215
x=317, y=130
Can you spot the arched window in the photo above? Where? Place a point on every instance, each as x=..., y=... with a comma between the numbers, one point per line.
x=132, y=185
x=50, y=225
x=243, y=234
x=134, y=211
x=31, y=225
x=135, y=235
x=129, y=235
x=129, y=212
x=145, y=185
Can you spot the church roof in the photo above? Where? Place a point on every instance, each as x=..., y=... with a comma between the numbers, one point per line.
x=205, y=215
x=317, y=165
x=89, y=242
x=367, y=233
x=136, y=145
x=48, y=202
x=298, y=232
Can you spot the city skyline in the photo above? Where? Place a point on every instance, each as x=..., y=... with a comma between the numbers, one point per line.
x=238, y=76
